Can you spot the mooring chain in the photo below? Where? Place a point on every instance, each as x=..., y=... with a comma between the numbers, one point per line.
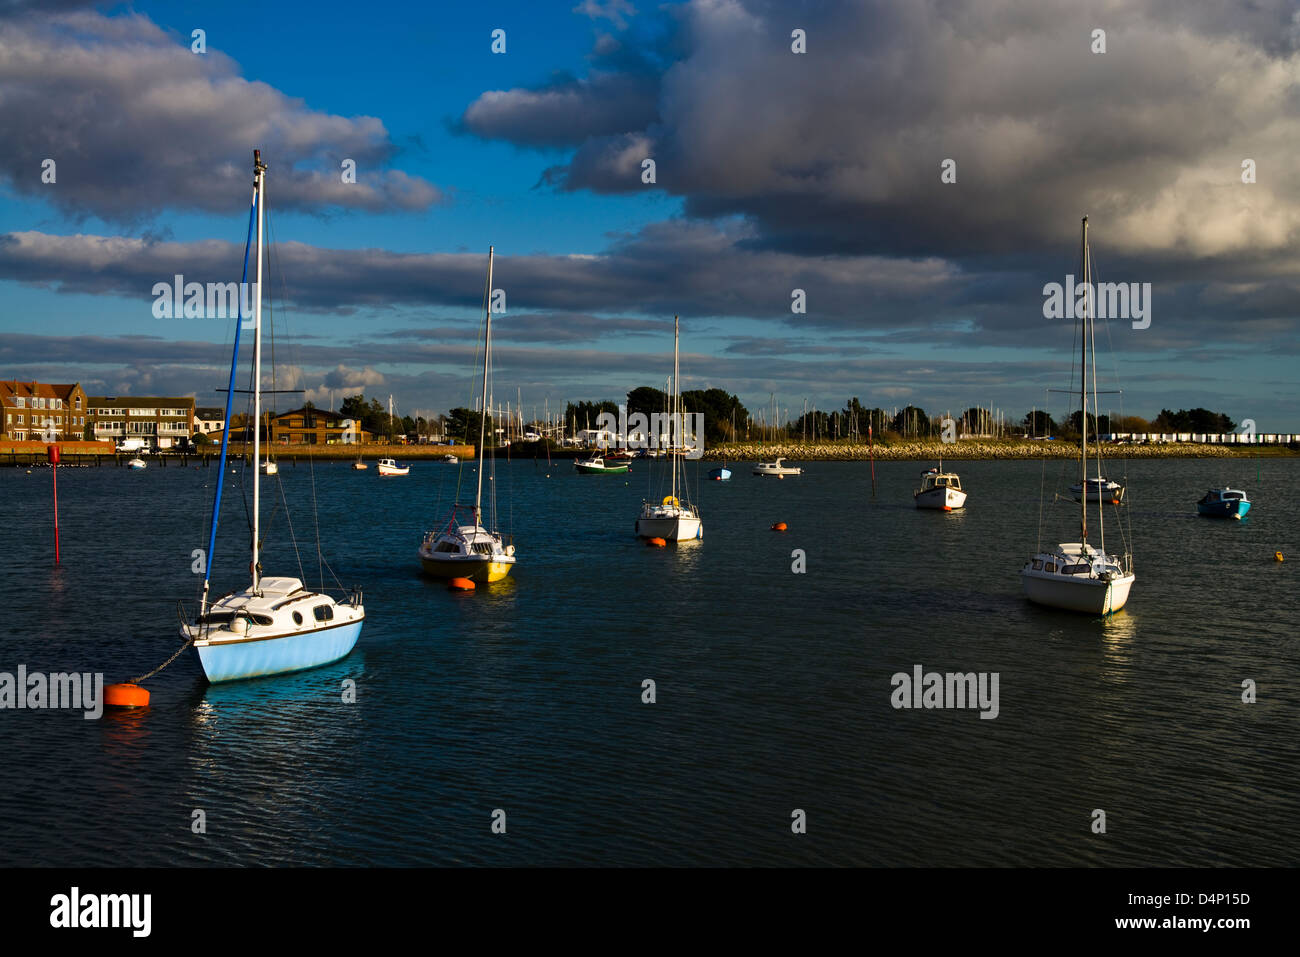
x=188, y=642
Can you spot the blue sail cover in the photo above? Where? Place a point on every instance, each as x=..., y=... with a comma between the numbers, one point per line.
x=230, y=395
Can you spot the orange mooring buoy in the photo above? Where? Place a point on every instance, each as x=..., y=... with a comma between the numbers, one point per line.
x=461, y=584
x=779, y=527
x=656, y=542
x=125, y=695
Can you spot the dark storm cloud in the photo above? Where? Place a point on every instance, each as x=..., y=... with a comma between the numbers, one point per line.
x=121, y=107
x=839, y=149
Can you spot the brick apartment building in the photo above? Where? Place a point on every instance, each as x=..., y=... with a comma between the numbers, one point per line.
x=163, y=422
x=43, y=412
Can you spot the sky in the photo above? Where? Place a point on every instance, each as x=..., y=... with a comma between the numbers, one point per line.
x=917, y=168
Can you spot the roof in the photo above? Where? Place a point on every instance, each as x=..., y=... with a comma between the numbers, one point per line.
x=11, y=388
x=127, y=401
x=318, y=413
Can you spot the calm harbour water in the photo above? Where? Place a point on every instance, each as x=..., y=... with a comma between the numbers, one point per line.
x=773, y=688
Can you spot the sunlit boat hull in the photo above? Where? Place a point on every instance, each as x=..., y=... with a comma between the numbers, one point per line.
x=945, y=499
x=475, y=569
x=720, y=475
x=1111, y=492
x=259, y=657
x=670, y=528
x=1077, y=593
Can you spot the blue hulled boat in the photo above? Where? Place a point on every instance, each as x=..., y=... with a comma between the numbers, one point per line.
x=271, y=625
x=1224, y=503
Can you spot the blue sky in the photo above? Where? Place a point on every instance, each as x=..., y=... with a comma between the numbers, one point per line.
x=776, y=171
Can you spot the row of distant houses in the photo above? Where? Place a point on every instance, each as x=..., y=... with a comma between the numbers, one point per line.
x=1205, y=438
x=53, y=412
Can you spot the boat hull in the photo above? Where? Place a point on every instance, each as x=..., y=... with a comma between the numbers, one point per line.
x=670, y=529
x=940, y=497
x=389, y=470
x=1237, y=509
x=720, y=475
x=237, y=660
x=482, y=571
x=1076, y=593
x=1113, y=496
x=599, y=470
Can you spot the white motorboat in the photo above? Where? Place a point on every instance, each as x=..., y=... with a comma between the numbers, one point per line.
x=137, y=463
x=390, y=467
x=1075, y=576
x=939, y=489
x=272, y=625
x=670, y=518
x=776, y=469
x=1099, y=490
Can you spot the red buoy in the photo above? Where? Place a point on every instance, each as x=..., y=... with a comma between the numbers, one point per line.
x=656, y=542
x=125, y=695
x=461, y=584
x=779, y=527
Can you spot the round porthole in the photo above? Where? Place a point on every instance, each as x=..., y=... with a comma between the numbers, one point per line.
x=297, y=618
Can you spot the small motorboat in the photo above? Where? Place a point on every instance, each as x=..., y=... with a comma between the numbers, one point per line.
x=940, y=490
x=596, y=465
x=722, y=474
x=390, y=467
x=1224, y=503
x=137, y=464
x=359, y=466
x=776, y=468
x=1099, y=490
x=450, y=459
x=270, y=468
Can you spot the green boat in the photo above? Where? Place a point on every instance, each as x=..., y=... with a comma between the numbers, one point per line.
x=597, y=466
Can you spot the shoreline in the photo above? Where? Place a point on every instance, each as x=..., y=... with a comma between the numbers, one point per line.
x=973, y=450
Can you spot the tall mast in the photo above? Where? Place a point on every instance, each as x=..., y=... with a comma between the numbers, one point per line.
x=259, y=172
x=482, y=421
x=1083, y=390
x=677, y=394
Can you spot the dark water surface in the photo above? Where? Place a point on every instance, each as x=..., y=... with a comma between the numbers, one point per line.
x=773, y=688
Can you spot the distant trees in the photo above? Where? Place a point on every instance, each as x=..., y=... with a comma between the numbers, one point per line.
x=1192, y=420
x=463, y=424
x=1039, y=423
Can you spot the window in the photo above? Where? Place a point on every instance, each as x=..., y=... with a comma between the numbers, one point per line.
x=1038, y=565
x=446, y=547
x=297, y=618
x=1051, y=566
x=323, y=613
x=20, y=402
x=78, y=403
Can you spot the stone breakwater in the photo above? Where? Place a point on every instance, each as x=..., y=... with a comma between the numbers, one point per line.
x=975, y=449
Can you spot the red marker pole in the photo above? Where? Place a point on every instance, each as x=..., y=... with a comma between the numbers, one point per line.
x=52, y=453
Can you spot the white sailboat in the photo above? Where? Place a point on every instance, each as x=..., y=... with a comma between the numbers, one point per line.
x=670, y=518
x=1074, y=575
x=272, y=625
x=268, y=466
x=463, y=547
